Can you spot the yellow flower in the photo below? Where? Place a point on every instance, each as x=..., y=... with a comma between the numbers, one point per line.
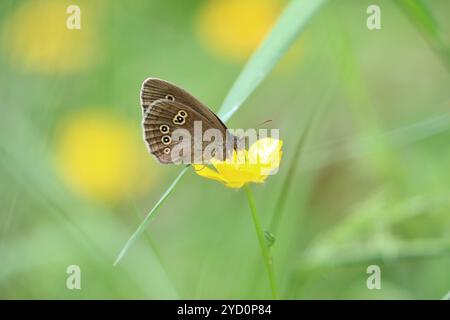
x=255, y=165
x=38, y=39
x=234, y=28
x=101, y=156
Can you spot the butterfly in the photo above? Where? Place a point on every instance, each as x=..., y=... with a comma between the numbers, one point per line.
x=167, y=109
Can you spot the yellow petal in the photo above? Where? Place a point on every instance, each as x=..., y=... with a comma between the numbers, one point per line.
x=206, y=172
x=245, y=166
x=235, y=184
x=265, y=155
x=230, y=168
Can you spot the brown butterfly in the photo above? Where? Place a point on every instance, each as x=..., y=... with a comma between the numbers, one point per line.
x=166, y=108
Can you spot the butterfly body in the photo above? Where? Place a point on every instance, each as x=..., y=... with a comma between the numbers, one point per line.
x=168, y=109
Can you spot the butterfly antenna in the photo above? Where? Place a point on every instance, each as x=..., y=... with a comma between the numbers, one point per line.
x=263, y=123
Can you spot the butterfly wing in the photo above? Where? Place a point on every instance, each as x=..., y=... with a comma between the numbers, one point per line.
x=167, y=124
x=155, y=89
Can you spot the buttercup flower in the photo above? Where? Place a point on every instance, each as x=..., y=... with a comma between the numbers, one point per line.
x=255, y=165
x=234, y=28
x=38, y=39
x=101, y=156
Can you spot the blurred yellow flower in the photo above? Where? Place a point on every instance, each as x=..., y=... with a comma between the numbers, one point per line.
x=234, y=28
x=38, y=39
x=101, y=156
x=255, y=165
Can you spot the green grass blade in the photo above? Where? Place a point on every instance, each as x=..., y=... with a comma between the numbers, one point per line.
x=149, y=217
x=279, y=206
x=295, y=160
x=287, y=29
x=422, y=17
x=283, y=34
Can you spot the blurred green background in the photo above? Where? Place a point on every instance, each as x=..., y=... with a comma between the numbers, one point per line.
x=371, y=185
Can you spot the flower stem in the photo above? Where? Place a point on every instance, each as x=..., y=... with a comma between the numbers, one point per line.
x=261, y=239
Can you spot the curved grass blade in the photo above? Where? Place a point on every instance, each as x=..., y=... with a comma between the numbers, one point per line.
x=422, y=17
x=283, y=34
x=295, y=161
x=287, y=29
x=149, y=216
x=292, y=170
